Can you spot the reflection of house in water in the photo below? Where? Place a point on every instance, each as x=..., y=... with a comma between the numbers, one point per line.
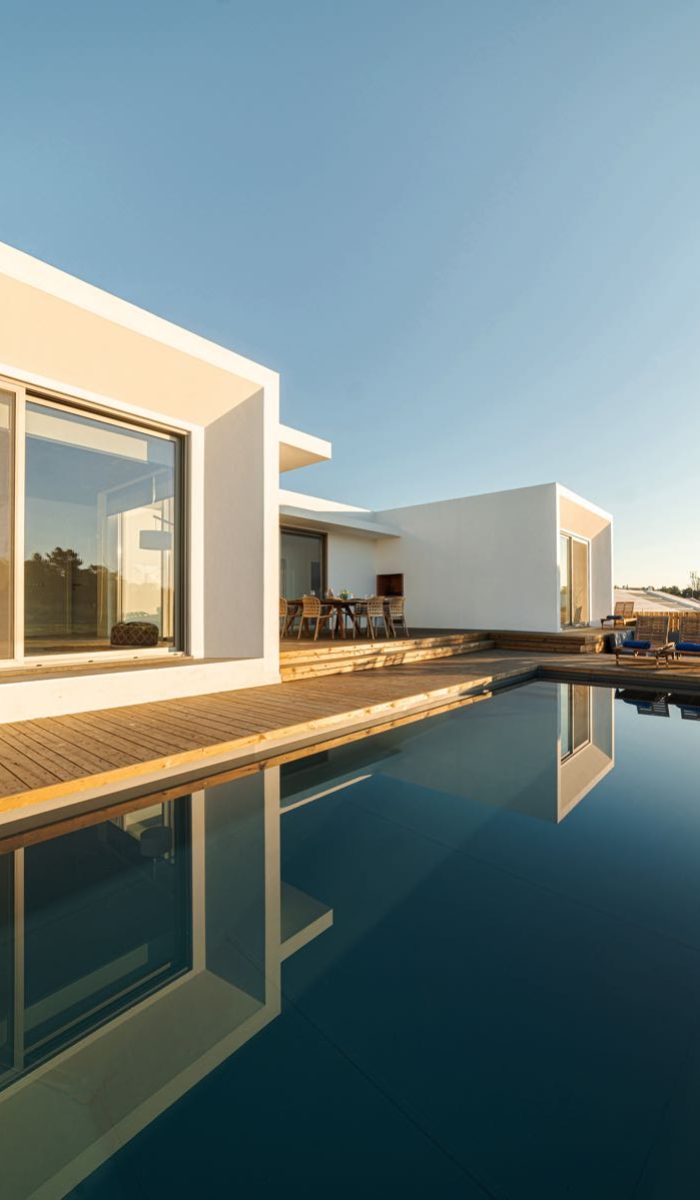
x=550, y=746
x=136, y=954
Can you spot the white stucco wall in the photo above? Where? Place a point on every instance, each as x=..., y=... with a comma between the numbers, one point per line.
x=480, y=562
x=351, y=564
x=93, y=348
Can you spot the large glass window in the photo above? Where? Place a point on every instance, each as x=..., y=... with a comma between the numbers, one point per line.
x=102, y=533
x=302, y=564
x=6, y=522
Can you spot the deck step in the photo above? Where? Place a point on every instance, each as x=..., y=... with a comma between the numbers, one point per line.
x=372, y=659
x=307, y=651
x=589, y=641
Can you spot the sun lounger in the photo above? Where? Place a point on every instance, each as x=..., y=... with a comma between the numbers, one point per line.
x=623, y=615
x=688, y=636
x=650, y=641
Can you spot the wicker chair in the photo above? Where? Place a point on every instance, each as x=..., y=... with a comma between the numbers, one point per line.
x=288, y=615
x=396, y=606
x=313, y=610
x=650, y=640
x=375, y=610
x=688, y=635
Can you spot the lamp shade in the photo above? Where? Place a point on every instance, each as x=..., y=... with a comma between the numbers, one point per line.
x=155, y=539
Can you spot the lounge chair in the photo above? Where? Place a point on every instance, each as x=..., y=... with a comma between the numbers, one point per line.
x=688, y=636
x=624, y=613
x=650, y=641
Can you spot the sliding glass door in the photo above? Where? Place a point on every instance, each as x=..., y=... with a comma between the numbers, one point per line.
x=302, y=564
x=101, y=518
x=574, y=580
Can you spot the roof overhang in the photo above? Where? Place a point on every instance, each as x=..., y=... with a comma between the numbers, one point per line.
x=299, y=449
x=340, y=522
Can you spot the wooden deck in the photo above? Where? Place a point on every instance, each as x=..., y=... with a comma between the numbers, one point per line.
x=52, y=767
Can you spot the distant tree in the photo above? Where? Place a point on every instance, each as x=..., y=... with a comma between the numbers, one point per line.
x=672, y=590
x=64, y=561
x=695, y=584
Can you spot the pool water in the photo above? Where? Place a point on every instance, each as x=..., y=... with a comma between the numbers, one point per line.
x=459, y=959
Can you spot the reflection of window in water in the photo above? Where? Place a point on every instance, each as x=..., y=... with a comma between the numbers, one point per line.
x=575, y=701
x=91, y=922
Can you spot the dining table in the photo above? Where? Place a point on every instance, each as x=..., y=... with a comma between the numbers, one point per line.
x=345, y=610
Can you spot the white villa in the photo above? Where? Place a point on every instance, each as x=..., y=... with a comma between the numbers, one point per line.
x=141, y=513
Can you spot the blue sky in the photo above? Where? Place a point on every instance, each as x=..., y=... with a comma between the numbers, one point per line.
x=466, y=234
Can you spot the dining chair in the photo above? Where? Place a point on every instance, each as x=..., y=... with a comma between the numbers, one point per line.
x=313, y=610
x=397, y=615
x=288, y=615
x=375, y=610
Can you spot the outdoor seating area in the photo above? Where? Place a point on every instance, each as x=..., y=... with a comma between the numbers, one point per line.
x=371, y=617
x=653, y=637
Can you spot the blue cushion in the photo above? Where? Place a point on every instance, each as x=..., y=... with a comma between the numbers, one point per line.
x=689, y=647
x=630, y=644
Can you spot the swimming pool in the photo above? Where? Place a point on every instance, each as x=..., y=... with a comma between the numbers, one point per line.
x=458, y=958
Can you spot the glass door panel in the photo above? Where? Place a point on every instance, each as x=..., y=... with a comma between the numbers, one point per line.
x=301, y=564
x=7, y=967
x=6, y=523
x=575, y=718
x=565, y=579
x=574, y=587
x=579, y=589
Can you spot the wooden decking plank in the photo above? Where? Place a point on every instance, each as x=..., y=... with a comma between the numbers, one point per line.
x=70, y=751
x=26, y=768
x=171, y=729
x=99, y=739
x=126, y=738
x=233, y=722
x=41, y=753
x=66, y=728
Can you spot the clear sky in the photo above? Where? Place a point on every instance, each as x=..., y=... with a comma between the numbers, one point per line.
x=467, y=234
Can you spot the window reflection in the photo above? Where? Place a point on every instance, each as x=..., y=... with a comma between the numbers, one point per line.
x=101, y=540
x=6, y=517
x=575, y=725
x=81, y=963
x=301, y=564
